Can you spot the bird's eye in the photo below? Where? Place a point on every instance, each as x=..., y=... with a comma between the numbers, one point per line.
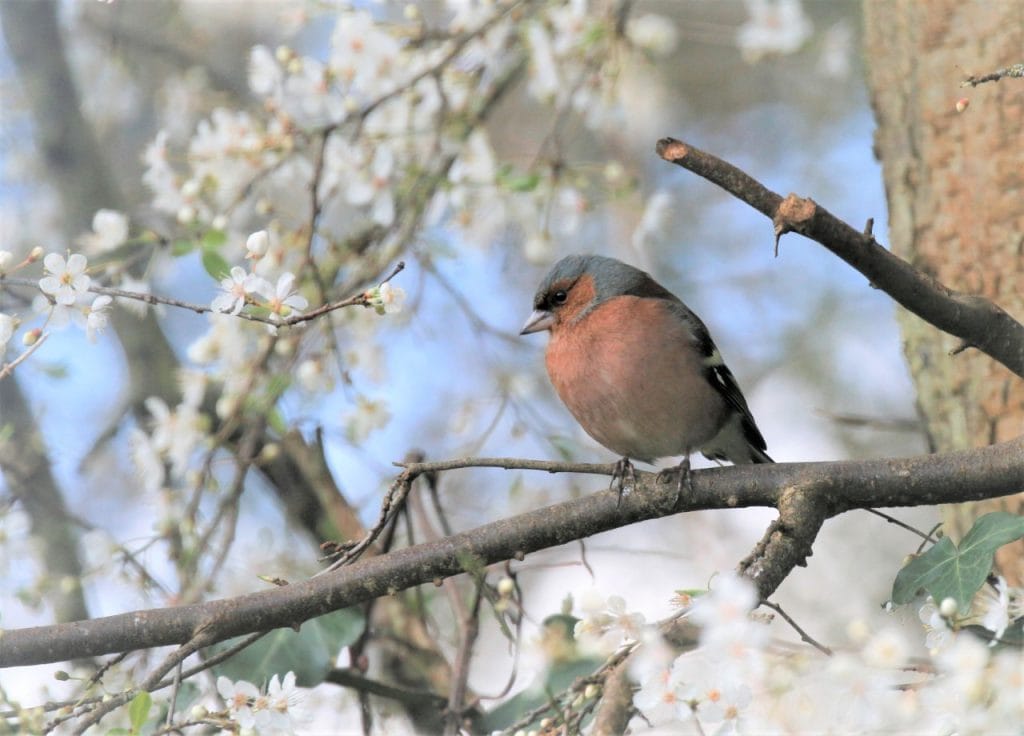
x=559, y=297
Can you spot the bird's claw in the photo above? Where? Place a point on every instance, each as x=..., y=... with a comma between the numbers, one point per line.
x=683, y=476
x=623, y=469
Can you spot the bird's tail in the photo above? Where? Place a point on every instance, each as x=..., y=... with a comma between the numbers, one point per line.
x=739, y=442
x=758, y=455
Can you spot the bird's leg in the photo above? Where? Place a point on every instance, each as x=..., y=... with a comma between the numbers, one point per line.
x=623, y=469
x=683, y=476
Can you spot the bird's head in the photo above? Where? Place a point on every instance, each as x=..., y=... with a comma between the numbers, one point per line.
x=579, y=283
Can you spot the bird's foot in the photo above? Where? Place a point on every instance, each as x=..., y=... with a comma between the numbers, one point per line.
x=683, y=477
x=623, y=469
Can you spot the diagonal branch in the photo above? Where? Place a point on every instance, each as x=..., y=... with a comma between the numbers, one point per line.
x=975, y=320
x=805, y=494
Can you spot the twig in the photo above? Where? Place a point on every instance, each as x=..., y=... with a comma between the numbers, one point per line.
x=974, y=319
x=8, y=368
x=508, y=463
x=879, y=423
x=354, y=679
x=361, y=300
x=201, y=639
x=893, y=520
x=804, y=636
x=393, y=502
x=460, y=669
x=1017, y=70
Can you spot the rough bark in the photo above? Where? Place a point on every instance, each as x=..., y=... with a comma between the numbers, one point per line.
x=953, y=182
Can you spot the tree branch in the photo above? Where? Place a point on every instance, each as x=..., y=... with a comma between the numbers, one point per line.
x=974, y=319
x=805, y=493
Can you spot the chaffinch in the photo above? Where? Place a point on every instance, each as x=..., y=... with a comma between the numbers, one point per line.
x=638, y=369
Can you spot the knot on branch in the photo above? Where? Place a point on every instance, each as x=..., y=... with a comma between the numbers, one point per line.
x=794, y=214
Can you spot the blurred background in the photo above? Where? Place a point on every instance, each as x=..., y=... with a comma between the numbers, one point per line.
x=561, y=160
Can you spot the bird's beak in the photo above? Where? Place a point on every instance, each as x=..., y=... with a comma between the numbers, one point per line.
x=540, y=320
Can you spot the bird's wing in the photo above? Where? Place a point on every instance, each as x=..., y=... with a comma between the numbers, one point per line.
x=719, y=375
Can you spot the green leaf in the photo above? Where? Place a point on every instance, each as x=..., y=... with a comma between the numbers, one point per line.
x=1012, y=638
x=138, y=711
x=309, y=652
x=921, y=571
x=523, y=183
x=214, y=239
x=991, y=532
x=215, y=264
x=56, y=371
x=277, y=385
x=275, y=420
x=182, y=247
x=948, y=571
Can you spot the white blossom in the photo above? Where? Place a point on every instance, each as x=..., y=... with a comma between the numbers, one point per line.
x=240, y=697
x=364, y=55
x=653, y=220
x=368, y=415
x=281, y=298
x=97, y=317
x=7, y=326
x=654, y=33
x=372, y=186
x=235, y=290
x=109, y=230
x=606, y=624
x=66, y=280
x=387, y=299
x=774, y=27
x=265, y=74
x=161, y=178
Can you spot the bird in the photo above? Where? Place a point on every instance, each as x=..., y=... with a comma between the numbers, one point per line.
x=639, y=370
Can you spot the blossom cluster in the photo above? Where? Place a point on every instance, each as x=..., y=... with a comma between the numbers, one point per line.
x=737, y=680
x=275, y=712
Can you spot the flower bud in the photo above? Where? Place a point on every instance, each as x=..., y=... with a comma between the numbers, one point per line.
x=257, y=244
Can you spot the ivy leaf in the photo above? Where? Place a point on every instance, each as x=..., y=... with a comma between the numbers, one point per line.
x=949, y=571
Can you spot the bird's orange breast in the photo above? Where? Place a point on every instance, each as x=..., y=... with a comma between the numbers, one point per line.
x=628, y=371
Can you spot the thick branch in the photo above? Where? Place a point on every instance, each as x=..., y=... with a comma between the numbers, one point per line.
x=974, y=319
x=801, y=491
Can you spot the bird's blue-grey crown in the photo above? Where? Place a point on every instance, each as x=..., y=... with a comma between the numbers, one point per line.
x=611, y=278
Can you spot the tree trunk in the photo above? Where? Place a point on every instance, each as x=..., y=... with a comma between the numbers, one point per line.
x=954, y=187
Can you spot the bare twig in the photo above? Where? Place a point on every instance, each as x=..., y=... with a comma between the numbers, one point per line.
x=804, y=636
x=1016, y=70
x=460, y=671
x=355, y=680
x=974, y=319
x=8, y=368
x=893, y=520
